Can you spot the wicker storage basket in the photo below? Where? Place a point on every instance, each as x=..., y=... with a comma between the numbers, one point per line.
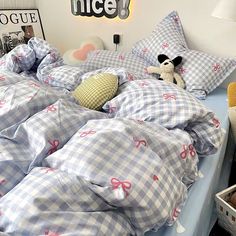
x=226, y=213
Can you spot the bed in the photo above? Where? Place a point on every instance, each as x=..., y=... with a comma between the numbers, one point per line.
x=199, y=213
x=150, y=160
x=49, y=177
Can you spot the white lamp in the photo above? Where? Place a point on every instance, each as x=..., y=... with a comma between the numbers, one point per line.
x=225, y=9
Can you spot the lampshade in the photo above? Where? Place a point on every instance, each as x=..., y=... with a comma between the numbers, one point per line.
x=225, y=9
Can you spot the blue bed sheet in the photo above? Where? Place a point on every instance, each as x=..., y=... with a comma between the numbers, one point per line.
x=198, y=214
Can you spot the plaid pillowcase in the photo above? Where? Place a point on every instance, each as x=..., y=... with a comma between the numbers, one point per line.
x=167, y=38
x=65, y=76
x=21, y=58
x=201, y=72
x=104, y=58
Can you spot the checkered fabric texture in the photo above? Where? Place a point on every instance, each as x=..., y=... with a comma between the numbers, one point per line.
x=166, y=104
x=104, y=58
x=66, y=169
x=167, y=38
x=122, y=73
x=41, y=61
x=201, y=72
x=21, y=100
x=96, y=90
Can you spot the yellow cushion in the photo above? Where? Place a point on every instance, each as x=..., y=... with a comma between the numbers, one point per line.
x=96, y=90
x=231, y=92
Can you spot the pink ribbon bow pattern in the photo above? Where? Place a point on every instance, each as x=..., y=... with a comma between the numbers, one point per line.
x=2, y=103
x=139, y=142
x=188, y=150
x=34, y=85
x=176, y=213
x=216, y=122
x=2, y=78
x=216, y=67
x=54, y=145
x=125, y=185
x=51, y=108
x=112, y=108
x=169, y=96
x=86, y=133
x=50, y=233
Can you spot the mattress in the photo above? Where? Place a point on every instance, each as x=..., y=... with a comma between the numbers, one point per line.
x=198, y=214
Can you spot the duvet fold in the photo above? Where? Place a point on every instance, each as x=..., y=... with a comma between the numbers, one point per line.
x=68, y=170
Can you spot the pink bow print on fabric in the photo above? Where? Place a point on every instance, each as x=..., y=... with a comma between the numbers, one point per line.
x=130, y=77
x=121, y=57
x=48, y=170
x=176, y=213
x=34, y=85
x=86, y=133
x=54, y=145
x=125, y=185
x=169, y=96
x=51, y=108
x=143, y=84
x=216, y=67
x=2, y=103
x=187, y=150
x=49, y=78
x=182, y=70
x=216, y=122
x=165, y=45
x=140, y=142
x=2, y=78
x=50, y=233
x=112, y=108
x=2, y=63
x=18, y=57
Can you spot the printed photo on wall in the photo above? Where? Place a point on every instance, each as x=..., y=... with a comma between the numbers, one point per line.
x=17, y=27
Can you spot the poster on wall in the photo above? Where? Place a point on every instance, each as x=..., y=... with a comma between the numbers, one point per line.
x=17, y=27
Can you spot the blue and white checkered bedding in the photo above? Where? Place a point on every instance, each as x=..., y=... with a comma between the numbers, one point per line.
x=68, y=170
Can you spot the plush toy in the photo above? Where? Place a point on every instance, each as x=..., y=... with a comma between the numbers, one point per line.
x=166, y=70
x=232, y=200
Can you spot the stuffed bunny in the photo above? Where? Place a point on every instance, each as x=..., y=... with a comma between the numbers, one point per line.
x=166, y=70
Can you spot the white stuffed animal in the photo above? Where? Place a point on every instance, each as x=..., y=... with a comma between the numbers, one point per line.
x=166, y=70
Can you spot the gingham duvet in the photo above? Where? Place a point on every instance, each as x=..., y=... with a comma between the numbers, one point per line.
x=68, y=170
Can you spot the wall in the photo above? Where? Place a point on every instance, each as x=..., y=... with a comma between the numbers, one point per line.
x=17, y=4
x=203, y=32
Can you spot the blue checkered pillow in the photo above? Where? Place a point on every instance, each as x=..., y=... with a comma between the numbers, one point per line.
x=167, y=38
x=201, y=72
x=21, y=58
x=104, y=58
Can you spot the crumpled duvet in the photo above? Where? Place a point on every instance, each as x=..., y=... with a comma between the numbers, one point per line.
x=68, y=170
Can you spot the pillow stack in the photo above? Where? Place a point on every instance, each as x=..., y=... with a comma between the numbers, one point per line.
x=201, y=72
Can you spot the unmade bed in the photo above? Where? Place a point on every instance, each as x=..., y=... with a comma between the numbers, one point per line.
x=199, y=213
x=125, y=170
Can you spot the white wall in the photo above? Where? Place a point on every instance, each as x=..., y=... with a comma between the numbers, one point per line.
x=203, y=32
x=17, y=4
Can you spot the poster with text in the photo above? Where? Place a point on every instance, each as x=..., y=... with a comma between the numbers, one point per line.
x=17, y=27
